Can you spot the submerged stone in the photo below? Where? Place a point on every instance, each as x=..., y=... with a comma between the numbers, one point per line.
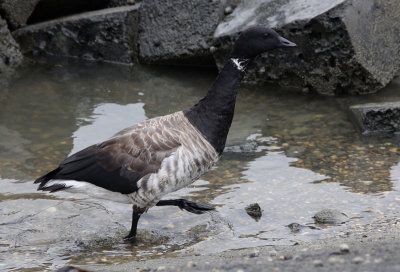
x=295, y=227
x=103, y=35
x=344, y=46
x=254, y=210
x=377, y=118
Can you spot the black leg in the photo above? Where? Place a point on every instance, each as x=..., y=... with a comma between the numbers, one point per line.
x=132, y=234
x=187, y=205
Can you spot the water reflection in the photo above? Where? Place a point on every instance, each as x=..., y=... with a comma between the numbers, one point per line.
x=294, y=155
x=97, y=127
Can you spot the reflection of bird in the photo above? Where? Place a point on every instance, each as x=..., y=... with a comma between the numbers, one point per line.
x=142, y=163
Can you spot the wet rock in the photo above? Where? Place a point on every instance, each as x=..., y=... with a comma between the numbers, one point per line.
x=10, y=56
x=254, y=210
x=17, y=12
x=104, y=35
x=178, y=32
x=248, y=147
x=377, y=118
x=295, y=227
x=344, y=46
x=330, y=216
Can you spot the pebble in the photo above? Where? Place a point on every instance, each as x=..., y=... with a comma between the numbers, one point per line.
x=51, y=209
x=318, y=263
x=344, y=248
x=228, y=10
x=273, y=253
x=358, y=260
x=213, y=49
x=191, y=264
x=335, y=260
x=254, y=254
x=295, y=227
x=161, y=268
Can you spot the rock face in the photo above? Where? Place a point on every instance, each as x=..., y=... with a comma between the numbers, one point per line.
x=178, y=32
x=377, y=118
x=344, y=46
x=105, y=35
x=10, y=56
x=17, y=12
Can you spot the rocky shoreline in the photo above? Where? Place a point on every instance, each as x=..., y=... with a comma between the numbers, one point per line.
x=344, y=46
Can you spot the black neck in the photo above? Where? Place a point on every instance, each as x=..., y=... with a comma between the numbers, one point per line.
x=213, y=114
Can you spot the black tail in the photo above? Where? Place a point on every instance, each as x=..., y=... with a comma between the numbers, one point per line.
x=45, y=178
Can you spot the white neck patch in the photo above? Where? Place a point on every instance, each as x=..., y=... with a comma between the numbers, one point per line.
x=240, y=64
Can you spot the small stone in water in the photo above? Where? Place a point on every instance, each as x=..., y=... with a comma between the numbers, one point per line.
x=358, y=260
x=335, y=260
x=330, y=216
x=295, y=227
x=318, y=263
x=344, y=248
x=254, y=254
x=51, y=209
x=254, y=210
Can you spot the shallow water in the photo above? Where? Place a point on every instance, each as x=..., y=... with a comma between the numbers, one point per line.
x=293, y=154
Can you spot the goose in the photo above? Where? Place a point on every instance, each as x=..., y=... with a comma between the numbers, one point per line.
x=142, y=163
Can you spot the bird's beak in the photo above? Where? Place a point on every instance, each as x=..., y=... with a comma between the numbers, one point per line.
x=286, y=43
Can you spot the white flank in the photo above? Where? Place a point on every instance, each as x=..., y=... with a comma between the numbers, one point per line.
x=87, y=188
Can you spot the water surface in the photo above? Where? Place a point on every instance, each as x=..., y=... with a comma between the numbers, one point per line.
x=293, y=154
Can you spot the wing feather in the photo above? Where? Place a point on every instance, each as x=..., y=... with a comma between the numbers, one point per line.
x=120, y=162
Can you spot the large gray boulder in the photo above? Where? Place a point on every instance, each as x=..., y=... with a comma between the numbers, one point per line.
x=344, y=46
x=17, y=12
x=103, y=35
x=178, y=32
x=10, y=56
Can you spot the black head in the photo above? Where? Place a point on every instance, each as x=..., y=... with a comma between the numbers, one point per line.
x=257, y=40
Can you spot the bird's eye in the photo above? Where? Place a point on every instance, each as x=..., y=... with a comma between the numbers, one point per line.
x=266, y=35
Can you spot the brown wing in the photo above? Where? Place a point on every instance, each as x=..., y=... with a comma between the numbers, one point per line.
x=118, y=163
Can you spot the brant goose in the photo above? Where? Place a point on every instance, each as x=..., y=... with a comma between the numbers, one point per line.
x=141, y=164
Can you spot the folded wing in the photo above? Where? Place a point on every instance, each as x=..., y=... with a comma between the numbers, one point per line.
x=118, y=163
